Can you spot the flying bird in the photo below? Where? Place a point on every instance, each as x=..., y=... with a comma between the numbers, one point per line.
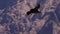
x=35, y=10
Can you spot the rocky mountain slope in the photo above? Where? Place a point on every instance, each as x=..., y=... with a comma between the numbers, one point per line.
x=13, y=19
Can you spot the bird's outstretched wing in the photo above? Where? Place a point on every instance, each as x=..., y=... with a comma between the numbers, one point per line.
x=28, y=13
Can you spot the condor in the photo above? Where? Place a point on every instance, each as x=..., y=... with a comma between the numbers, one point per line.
x=35, y=10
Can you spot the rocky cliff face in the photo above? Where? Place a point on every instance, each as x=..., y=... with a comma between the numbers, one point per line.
x=13, y=19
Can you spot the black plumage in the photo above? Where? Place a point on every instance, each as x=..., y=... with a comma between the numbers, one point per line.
x=35, y=10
